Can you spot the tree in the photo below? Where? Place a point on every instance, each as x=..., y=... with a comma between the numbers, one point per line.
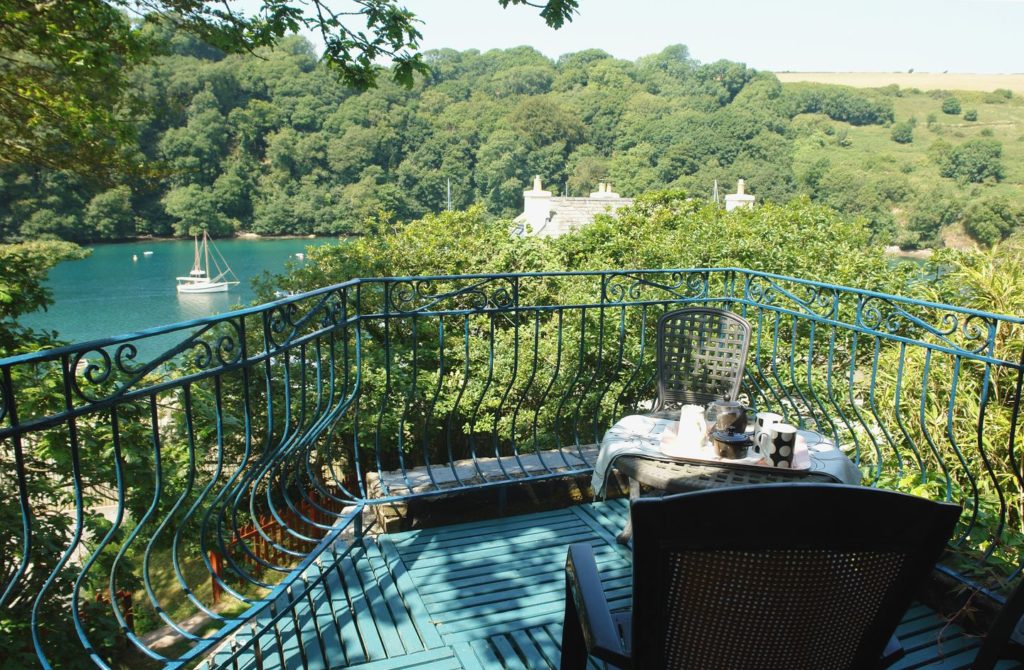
x=992, y=220
x=66, y=62
x=109, y=214
x=973, y=161
x=971, y=115
x=951, y=105
x=196, y=211
x=903, y=132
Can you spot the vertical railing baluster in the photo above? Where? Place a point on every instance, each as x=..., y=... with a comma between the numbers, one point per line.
x=449, y=423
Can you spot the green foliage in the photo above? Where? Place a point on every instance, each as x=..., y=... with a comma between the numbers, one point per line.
x=951, y=105
x=973, y=161
x=110, y=215
x=23, y=269
x=971, y=115
x=991, y=220
x=195, y=209
x=840, y=103
x=62, y=83
x=272, y=145
x=66, y=67
x=998, y=96
x=933, y=210
x=903, y=132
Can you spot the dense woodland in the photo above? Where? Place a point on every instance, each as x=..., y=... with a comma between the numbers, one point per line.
x=272, y=143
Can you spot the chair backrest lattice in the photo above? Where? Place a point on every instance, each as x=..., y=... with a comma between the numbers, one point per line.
x=733, y=579
x=701, y=356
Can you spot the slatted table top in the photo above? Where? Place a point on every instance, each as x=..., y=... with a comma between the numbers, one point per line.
x=487, y=594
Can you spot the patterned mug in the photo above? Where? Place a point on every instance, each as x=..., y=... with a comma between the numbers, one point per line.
x=777, y=443
x=763, y=420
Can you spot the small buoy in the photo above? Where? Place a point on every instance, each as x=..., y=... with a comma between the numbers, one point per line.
x=135, y=257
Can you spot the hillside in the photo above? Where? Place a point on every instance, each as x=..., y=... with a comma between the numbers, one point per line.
x=907, y=175
x=926, y=81
x=272, y=143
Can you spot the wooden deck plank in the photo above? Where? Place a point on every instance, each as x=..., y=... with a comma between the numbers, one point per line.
x=464, y=652
x=523, y=531
x=408, y=634
x=344, y=620
x=387, y=627
x=509, y=658
x=529, y=649
x=361, y=609
x=410, y=594
x=443, y=658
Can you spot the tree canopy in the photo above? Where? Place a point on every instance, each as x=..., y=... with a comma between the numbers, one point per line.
x=65, y=64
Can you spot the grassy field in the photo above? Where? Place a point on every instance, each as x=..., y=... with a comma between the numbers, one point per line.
x=870, y=150
x=922, y=80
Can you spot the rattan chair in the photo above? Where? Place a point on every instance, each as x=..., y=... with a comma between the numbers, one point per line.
x=702, y=352
x=793, y=576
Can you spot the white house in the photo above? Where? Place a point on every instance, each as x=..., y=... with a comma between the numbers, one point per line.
x=551, y=216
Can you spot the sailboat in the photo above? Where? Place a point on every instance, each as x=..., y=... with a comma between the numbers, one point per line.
x=199, y=279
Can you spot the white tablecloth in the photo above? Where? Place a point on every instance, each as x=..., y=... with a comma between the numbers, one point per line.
x=639, y=435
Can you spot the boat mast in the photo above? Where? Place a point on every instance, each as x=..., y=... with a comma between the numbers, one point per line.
x=206, y=252
x=195, y=261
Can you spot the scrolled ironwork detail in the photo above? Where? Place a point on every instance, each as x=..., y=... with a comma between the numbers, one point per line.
x=678, y=285
x=970, y=333
x=423, y=295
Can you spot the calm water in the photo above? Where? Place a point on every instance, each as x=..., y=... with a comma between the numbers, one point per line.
x=108, y=293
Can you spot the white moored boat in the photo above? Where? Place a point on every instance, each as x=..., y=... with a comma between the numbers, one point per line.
x=199, y=279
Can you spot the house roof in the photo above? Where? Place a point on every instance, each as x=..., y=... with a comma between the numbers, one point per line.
x=567, y=214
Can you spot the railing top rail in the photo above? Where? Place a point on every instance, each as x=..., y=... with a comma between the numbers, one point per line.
x=75, y=348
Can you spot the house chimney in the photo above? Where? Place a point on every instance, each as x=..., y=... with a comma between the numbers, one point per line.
x=604, y=191
x=739, y=199
x=536, y=205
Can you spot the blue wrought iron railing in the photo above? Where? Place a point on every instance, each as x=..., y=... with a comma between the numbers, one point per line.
x=137, y=491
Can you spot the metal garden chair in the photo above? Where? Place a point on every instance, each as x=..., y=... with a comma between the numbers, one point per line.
x=702, y=352
x=780, y=576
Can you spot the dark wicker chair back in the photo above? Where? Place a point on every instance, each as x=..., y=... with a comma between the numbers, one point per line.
x=702, y=353
x=778, y=576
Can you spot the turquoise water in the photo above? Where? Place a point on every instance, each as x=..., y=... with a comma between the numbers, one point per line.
x=109, y=293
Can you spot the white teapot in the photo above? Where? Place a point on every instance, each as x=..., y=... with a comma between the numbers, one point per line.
x=692, y=431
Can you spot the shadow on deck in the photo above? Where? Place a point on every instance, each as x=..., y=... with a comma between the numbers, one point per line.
x=487, y=594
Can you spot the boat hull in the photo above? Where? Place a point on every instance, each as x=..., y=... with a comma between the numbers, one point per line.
x=219, y=287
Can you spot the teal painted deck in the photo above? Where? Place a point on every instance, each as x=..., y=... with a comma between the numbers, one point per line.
x=488, y=595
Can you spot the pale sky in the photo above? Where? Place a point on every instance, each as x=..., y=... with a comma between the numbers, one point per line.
x=802, y=35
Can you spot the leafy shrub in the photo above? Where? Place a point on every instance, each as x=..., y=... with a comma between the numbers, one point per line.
x=932, y=211
x=998, y=96
x=951, y=105
x=992, y=220
x=840, y=103
x=974, y=161
x=987, y=132
x=971, y=115
x=902, y=133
